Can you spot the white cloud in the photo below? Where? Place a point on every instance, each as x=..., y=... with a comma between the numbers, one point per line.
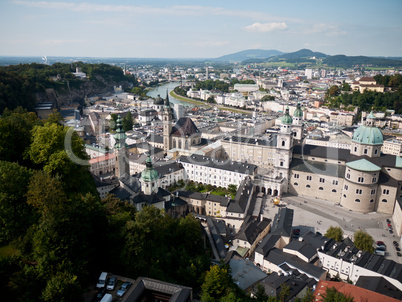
x=326, y=29
x=177, y=10
x=266, y=27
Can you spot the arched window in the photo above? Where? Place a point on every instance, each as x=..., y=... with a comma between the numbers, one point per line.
x=308, y=186
x=384, y=200
x=283, y=143
x=357, y=200
x=321, y=188
x=296, y=184
x=372, y=200
x=333, y=191
x=376, y=151
x=344, y=195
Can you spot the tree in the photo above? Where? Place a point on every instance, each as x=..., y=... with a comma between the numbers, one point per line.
x=309, y=296
x=284, y=293
x=333, y=91
x=335, y=233
x=63, y=287
x=346, y=87
x=260, y=294
x=217, y=283
x=15, y=214
x=266, y=98
x=363, y=241
x=128, y=122
x=332, y=294
x=232, y=189
x=113, y=121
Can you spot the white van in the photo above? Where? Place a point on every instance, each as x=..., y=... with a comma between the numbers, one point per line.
x=102, y=280
x=107, y=298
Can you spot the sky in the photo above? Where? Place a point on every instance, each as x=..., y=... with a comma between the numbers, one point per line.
x=198, y=29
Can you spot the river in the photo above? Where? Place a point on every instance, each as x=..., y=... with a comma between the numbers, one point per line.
x=161, y=90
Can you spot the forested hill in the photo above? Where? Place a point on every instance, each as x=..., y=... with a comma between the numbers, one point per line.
x=20, y=85
x=348, y=61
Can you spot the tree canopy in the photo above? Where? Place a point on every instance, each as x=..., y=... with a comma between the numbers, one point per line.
x=335, y=233
x=363, y=241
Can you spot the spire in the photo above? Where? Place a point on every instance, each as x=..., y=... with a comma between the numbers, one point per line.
x=167, y=103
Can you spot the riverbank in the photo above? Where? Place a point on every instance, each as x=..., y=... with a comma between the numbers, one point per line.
x=192, y=101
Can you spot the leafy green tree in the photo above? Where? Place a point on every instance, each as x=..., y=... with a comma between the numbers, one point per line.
x=113, y=121
x=346, y=87
x=335, y=233
x=332, y=294
x=260, y=294
x=62, y=287
x=333, y=91
x=266, y=98
x=217, y=283
x=363, y=241
x=15, y=214
x=128, y=122
x=284, y=293
x=15, y=134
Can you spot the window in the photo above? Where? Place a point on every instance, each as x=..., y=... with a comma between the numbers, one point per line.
x=373, y=192
x=322, y=180
x=335, y=182
x=283, y=143
x=348, y=176
x=374, y=179
x=385, y=191
x=321, y=188
x=355, y=149
x=296, y=176
x=333, y=191
x=344, y=195
x=376, y=151
x=359, y=191
x=357, y=200
x=308, y=186
x=281, y=164
x=372, y=200
x=365, y=151
x=296, y=184
x=308, y=177
x=360, y=179
x=384, y=200
x=346, y=187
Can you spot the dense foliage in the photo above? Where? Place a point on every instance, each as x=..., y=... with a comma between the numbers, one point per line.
x=19, y=83
x=349, y=61
x=335, y=233
x=379, y=101
x=62, y=235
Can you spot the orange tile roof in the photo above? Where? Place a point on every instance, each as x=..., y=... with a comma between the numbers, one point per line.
x=101, y=158
x=358, y=293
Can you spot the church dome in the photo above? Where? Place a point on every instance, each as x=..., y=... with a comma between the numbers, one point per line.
x=368, y=134
x=298, y=112
x=158, y=100
x=287, y=119
x=149, y=174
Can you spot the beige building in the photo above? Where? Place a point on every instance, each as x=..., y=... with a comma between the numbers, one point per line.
x=367, y=83
x=392, y=146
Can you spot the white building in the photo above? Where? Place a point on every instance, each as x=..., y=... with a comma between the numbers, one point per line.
x=215, y=172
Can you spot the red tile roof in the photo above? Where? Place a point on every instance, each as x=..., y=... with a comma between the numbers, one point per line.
x=358, y=293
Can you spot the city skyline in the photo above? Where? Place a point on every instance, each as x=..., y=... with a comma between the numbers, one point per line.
x=191, y=29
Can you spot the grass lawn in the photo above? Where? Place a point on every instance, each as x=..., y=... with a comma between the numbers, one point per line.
x=8, y=251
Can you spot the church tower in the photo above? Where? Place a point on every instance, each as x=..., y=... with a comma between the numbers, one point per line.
x=297, y=126
x=167, y=124
x=120, y=151
x=284, y=146
x=149, y=178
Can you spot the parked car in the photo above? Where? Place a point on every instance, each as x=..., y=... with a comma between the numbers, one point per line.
x=111, y=283
x=99, y=295
x=380, y=243
x=123, y=288
x=379, y=252
x=102, y=280
x=398, y=254
x=395, y=243
x=397, y=249
x=381, y=247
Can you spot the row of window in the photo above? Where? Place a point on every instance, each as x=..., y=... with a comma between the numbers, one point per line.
x=365, y=151
x=361, y=179
x=320, y=188
x=322, y=180
x=371, y=200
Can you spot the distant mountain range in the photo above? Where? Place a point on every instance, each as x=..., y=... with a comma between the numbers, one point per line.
x=248, y=54
x=306, y=56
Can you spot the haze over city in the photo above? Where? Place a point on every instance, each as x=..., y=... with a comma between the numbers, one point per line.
x=198, y=29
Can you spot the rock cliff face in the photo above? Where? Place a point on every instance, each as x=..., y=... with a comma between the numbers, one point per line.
x=77, y=93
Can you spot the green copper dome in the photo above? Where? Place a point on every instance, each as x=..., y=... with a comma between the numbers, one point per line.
x=298, y=112
x=287, y=119
x=149, y=174
x=368, y=134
